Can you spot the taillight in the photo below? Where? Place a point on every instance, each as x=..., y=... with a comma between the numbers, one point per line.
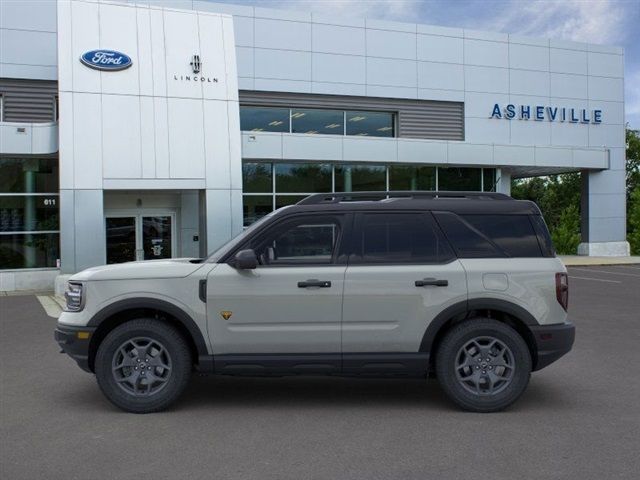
x=562, y=290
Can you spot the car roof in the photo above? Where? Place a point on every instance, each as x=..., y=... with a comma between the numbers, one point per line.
x=456, y=202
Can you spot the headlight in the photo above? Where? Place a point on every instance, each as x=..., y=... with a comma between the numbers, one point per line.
x=74, y=297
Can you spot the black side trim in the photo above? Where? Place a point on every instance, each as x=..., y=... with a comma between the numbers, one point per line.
x=456, y=310
x=504, y=306
x=153, y=304
x=380, y=364
x=552, y=342
x=461, y=309
x=278, y=364
x=202, y=290
x=76, y=348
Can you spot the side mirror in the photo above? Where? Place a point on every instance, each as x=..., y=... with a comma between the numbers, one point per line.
x=246, y=260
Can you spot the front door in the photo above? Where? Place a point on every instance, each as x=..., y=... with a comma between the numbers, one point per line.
x=140, y=237
x=291, y=304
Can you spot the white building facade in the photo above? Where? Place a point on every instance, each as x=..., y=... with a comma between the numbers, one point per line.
x=149, y=130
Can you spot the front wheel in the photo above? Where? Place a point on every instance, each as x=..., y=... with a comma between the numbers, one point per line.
x=143, y=365
x=483, y=365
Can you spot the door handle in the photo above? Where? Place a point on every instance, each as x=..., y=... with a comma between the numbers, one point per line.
x=314, y=283
x=432, y=281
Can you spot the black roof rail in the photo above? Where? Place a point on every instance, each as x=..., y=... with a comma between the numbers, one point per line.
x=324, y=198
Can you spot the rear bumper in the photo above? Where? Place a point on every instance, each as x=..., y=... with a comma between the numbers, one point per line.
x=74, y=345
x=552, y=342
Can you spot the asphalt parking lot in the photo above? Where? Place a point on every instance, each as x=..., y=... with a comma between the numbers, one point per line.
x=580, y=417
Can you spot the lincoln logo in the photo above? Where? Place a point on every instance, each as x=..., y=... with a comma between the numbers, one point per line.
x=107, y=60
x=195, y=63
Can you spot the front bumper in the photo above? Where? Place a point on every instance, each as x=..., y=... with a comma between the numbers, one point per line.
x=552, y=342
x=75, y=341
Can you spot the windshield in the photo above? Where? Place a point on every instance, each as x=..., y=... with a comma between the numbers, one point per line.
x=238, y=239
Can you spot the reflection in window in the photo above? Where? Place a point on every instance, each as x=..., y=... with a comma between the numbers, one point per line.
x=459, y=179
x=256, y=178
x=489, y=179
x=310, y=241
x=372, y=124
x=254, y=207
x=317, y=121
x=30, y=250
x=28, y=213
x=284, y=200
x=264, y=119
x=28, y=175
x=305, y=178
x=401, y=238
x=294, y=181
x=359, y=178
x=407, y=177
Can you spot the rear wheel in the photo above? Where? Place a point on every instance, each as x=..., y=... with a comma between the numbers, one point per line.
x=483, y=365
x=143, y=365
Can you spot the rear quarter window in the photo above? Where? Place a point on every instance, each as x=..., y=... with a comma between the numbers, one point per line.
x=513, y=234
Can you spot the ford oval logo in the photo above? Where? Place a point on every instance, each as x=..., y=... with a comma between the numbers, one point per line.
x=109, y=60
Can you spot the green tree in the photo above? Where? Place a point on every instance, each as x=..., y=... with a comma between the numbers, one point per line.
x=566, y=234
x=633, y=221
x=633, y=161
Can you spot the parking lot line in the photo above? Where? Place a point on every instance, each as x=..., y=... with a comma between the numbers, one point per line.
x=592, y=270
x=596, y=279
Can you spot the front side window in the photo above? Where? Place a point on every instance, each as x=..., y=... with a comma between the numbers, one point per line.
x=397, y=238
x=303, y=241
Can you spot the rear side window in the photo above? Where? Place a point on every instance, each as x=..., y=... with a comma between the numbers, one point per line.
x=467, y=241
x=514, y=234
x=399, y=238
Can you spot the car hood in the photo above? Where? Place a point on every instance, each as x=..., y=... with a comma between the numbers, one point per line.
x=149, y=269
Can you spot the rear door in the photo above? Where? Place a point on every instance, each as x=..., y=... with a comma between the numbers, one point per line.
x=401, y=274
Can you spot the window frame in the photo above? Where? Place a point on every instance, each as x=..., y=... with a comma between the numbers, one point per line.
x=278, y=226
x=355, y=257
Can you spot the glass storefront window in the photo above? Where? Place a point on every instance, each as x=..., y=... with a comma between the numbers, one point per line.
x=264, y=119
x=317, y=121
x=372, y=124
x=489, y=179
x=254, y=207
x=257, y=178
x=28, y=213
x=407, y=177
x=294, y=181
x=459, y=179
x=358, y=178
x=28, y=175
x=30, y=250
x=284, y=200
x=303, y=177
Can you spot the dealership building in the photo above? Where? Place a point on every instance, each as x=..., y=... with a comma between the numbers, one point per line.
x=148, y=130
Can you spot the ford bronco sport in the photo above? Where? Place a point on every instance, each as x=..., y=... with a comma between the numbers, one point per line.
x=462, y=286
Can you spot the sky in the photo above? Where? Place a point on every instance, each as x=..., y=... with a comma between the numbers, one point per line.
x=608, y=22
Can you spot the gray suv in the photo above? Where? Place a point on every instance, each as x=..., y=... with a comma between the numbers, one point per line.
x=462, y=286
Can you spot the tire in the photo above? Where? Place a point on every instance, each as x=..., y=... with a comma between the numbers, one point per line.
x=488, y=384
x=143, y=365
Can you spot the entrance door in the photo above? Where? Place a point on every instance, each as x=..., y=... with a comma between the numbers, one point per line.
x=140, y=237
